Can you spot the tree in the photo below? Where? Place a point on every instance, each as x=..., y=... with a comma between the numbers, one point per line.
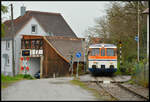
x=4, y=9
x=120, y=23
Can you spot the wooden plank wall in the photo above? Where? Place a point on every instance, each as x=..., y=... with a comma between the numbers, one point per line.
x=53, y=63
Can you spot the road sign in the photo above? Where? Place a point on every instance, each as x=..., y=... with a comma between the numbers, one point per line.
x=136, y=38
x=27, y=68
x=24, y=64
x=25, y=52
x=78, y=54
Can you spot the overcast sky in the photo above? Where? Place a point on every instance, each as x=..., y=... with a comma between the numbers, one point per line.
x=79, y=15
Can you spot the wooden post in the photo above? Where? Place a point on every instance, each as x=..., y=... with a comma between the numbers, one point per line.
x=41, y=66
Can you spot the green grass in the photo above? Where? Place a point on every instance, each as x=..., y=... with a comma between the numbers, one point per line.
x=8, y=80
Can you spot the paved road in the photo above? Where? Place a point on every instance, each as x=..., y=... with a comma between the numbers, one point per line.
x=46, y=89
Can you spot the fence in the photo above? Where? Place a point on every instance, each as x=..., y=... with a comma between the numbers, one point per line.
x=141, y=75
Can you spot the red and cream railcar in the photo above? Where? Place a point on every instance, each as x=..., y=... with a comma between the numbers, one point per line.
x=102, y=58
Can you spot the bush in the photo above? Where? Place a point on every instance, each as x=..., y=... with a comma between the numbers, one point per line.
x=118, y=72
x=128, y=68
x=141, y=74
x=27, y=76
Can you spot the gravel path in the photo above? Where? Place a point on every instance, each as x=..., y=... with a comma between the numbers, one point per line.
x=46, y=89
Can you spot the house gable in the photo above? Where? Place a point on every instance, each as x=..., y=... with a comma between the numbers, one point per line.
x=27, y=28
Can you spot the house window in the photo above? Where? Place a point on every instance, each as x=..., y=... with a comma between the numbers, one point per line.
x=34, y=28
x=8, y=61
x=7, y=44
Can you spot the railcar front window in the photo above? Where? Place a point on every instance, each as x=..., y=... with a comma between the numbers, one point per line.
x=110, y=52
x=102, y=52
x=95, y=52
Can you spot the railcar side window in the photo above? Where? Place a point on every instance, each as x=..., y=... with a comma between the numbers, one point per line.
x=95, y=52
x=102, y=52
x=110, y=52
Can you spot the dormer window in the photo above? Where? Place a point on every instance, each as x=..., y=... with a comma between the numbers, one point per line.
x=34, y=29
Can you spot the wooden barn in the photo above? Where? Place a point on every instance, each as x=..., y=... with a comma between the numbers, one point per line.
x=54, y=53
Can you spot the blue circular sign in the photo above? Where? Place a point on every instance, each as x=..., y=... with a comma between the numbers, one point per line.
x=78, y=54
x=136, y=38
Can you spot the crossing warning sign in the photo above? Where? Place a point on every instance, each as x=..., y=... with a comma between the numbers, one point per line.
x=24, y=64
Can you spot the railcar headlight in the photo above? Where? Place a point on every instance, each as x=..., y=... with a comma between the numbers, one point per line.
x=95, y=63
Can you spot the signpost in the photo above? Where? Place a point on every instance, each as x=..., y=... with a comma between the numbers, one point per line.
x=71, y=62
x=137, y=40
x=78, y=55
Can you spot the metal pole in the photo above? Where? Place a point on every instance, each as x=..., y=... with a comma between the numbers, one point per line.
x=77, y=69
x=72, y=68
x=138, y=33
x=12, y=25
x=120, y=44
x=83, y=48
x=120, y=55
x=147, y=40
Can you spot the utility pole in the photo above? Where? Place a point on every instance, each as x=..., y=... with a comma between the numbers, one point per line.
x=12, y=33
x=148, y=40
x=138, y=34
x=83, y=48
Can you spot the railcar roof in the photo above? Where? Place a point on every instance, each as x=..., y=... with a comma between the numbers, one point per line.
x=102, y=45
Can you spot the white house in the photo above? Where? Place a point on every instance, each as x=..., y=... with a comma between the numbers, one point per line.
x=6, y=56
x=30, y=23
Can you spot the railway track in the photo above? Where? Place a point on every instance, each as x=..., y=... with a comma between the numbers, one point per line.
x=121, y=93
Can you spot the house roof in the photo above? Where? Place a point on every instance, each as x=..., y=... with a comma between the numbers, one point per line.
x=67, y=46
x=50, y=22
x=146, y=11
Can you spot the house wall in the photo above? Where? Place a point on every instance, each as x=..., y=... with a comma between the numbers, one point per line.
x=53, y=63
x=25, y=31
x=7, y=68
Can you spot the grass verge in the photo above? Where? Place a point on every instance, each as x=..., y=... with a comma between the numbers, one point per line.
x=84, y=86
x=8, y=80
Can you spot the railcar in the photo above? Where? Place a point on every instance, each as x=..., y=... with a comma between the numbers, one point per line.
x=102, y=59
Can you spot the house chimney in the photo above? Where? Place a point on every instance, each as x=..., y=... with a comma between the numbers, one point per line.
x=23, y=10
